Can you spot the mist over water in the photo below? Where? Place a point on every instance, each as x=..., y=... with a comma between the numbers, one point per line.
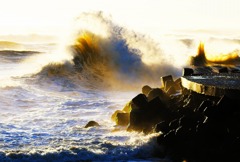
x=47, y=97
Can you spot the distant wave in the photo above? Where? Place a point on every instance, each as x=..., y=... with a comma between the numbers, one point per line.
x=15, y=52
x=15, y=56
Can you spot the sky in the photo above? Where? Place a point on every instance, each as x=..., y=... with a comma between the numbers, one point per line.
x=51, y=17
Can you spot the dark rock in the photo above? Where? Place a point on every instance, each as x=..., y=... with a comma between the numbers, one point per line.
x=139, y=102
x=183, y=133
x=211, y=112
x=122, y=119
x=223, y=70
x=165, y=79
x=92, y=124
x=174, y=124
x=155, y=112
x=226, y=105
x=168, y=85
x=157, y=92
x=114, y=115
x=146, y=89
x=171, y=91
x=187, y=72
x=158, y=111
x=203, y=105
x=163, y=127
x=187, y=121
x=177, y=84
x=137, y=120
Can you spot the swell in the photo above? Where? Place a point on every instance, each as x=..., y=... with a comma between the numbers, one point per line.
x=17, y=53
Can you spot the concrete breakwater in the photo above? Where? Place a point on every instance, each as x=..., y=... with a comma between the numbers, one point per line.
x=197, y=114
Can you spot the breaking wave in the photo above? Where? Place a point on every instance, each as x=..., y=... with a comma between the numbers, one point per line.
x=113, y=55
x=99, y=53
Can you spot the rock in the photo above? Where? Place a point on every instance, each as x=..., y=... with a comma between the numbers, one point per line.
x=92, y=124
x=146, y=89
x=122, y=119
x=139, y=102
x=147, y=117
x=162, y=127
x=177, y=84
x=220, y=69
x=128, y=107
x=187, y=72
x=114, y=115
x=168, y=85
x=157, y=92
x=171, y=91
x=174, y=124
x=166, y=79
x=137, y=120
x=226, y=105
x=203, y=105
x=211, y=112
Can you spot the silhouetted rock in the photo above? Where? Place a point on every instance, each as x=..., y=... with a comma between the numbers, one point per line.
x=122, y=119
x=187, y=72
x=91, y=124
x=139, y=102
x=163, y=127
x=157, y=92
x=146, y=89
x=166, y=79
x=114, y=115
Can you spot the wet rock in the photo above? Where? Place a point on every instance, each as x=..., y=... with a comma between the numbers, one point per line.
x=147, y=117
x=187, y=72
x=157, y=92
x=122, y=119
x=171, y=91
x=220, y=69
x=146, y=89
x=91, y=124
x=204, y=105
x=137, y=120
x=114, y=115
x=128, y=107
x=163, y=127
x=177, y=84
x=165, y=79
x=226, y=105
x=174, y=124
x=139, y=102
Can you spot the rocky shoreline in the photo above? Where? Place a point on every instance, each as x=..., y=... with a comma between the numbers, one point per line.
x=193, y=126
